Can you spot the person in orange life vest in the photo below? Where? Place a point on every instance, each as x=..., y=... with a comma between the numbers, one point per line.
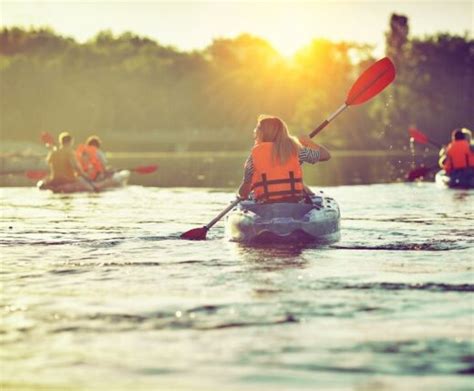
x=64, y=167
x=273, y=169
x=92, y=158
x=457, y=155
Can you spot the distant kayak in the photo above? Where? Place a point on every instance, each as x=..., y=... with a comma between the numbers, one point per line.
x=458, y=180
x=118, y=179
x=317, y=221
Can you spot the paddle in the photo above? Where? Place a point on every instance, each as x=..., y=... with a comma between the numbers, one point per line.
x=420, y=172
x=30, y=174
x=143, y=170
x=372, y=81
x=200, y=233
x=420, y=137
x=47, y=139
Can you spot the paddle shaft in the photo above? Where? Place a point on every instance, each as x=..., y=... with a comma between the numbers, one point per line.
x=434, y=143
x=328, y=120
x=222, y=214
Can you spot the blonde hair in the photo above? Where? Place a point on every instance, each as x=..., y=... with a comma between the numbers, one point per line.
x=274, y=130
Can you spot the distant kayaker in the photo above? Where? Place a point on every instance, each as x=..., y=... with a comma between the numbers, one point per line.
x=273, y=169
x=92, y=158
x=458, y=155
x=64, y=167
x=468, y=133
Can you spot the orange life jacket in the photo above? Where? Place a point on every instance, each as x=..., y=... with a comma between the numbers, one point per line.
x=274, y=181
x=458, y=156
x=90, y=163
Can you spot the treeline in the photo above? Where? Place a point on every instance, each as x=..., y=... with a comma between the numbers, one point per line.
x=140, y=95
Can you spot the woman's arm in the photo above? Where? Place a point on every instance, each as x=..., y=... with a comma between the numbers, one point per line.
x=324, y=154
x=244, y=190
x=246, y=186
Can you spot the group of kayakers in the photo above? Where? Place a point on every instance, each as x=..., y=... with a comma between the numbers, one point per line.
x=272, y=172
x=84, y=165
x=458, y=156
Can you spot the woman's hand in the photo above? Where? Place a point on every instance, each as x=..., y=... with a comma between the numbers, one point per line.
x=307, y=142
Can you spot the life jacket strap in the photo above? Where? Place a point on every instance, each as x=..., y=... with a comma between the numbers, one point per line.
x=291, y=180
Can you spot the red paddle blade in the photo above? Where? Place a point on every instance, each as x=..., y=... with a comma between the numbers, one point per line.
x=195, y=234
x=36, y=174
x=418, y=136
x=419, y=172
x=145, y=169
x=47, y=138
x=371, y=82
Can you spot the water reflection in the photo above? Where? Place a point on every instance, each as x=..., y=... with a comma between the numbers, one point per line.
x=270, y=257
x=461, y=195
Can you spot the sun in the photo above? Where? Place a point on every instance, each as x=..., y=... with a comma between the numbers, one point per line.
x=287, y=45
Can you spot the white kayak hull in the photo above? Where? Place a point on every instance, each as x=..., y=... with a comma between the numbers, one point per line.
x=118, y=179
x=317, y=222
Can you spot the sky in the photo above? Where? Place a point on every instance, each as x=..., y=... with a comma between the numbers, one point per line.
x=287, y=25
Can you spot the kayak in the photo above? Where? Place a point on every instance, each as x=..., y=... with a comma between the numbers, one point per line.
x=313, y=221
x=457, y=180
x=118, y=179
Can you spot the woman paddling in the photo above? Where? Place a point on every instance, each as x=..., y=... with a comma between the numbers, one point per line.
x=273, y=169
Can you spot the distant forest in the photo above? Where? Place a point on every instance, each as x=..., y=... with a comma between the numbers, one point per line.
x=140, y=95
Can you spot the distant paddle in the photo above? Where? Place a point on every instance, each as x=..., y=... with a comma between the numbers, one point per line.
x=372, y=81
x=30, y=174
x=421, y=138
x=143, y=170
x=47, y=139
x=420, y=172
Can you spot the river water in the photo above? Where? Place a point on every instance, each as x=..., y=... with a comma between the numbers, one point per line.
x=99, y=293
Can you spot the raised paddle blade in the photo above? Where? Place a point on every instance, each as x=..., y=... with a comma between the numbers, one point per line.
x=47, y=138
x=418, y=136
x=36, y=174
x=371, y=82
x=145, y=169
x=195, y=234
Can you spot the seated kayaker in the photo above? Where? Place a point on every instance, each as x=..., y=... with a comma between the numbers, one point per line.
x=64, y=167
x=273, y=169
x=92, y=158
x=457, y=156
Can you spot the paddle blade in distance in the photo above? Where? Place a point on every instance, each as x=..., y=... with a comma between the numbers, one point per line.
x=145, y=169
x=47, y=138
x=371, y=82
x=418, y=136
x=36, y=174
x=195, y=234
x=417, y=173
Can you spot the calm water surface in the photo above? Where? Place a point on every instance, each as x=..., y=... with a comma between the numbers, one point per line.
x=98, y=293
